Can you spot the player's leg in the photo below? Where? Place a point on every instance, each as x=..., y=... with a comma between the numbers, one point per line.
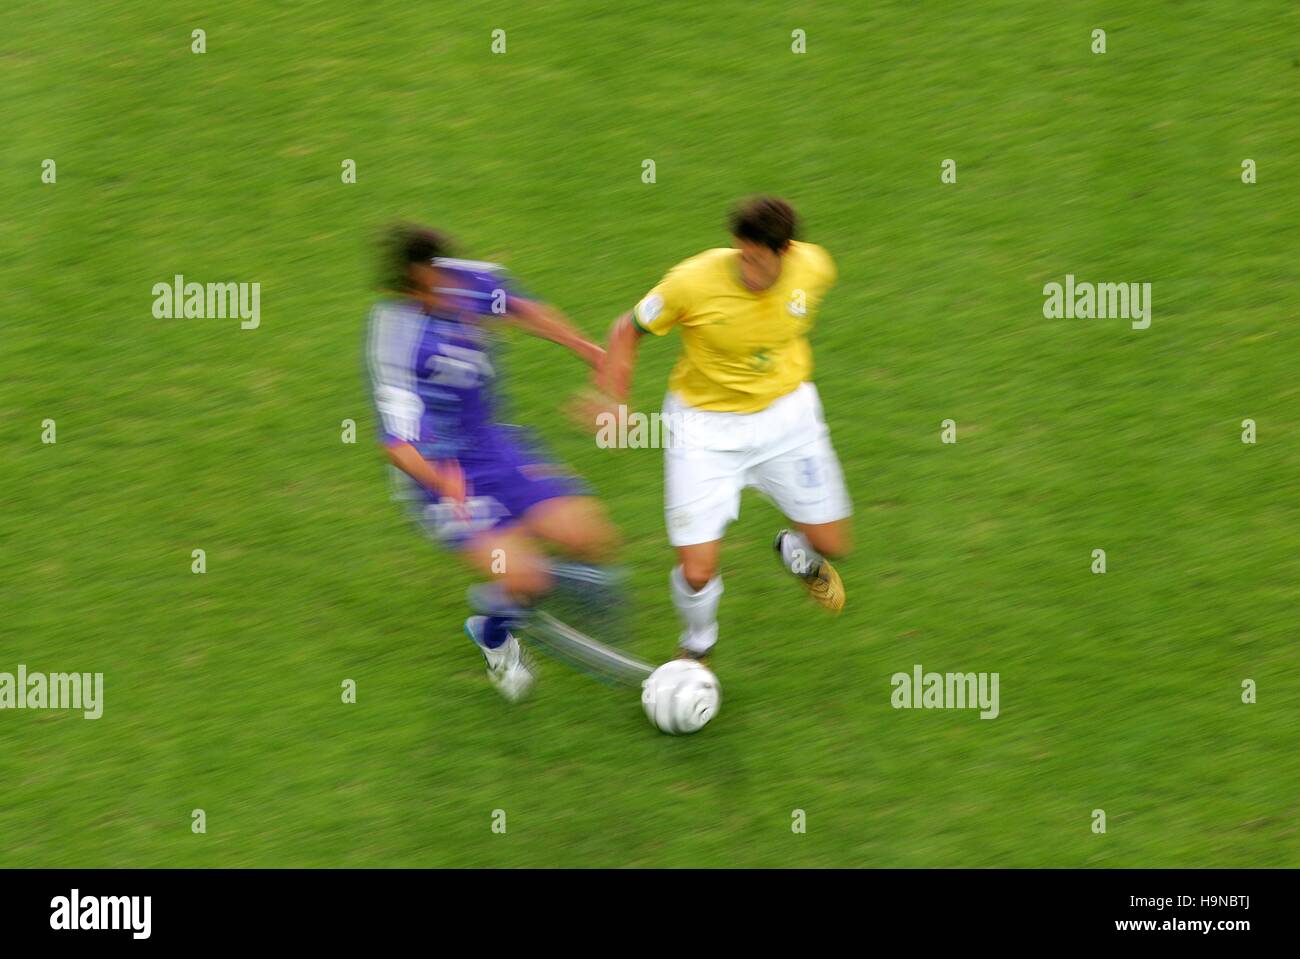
x=702, y=484
x=807, y=485
x=517, y=572
x=832, y=540
x=805, y=547
x=577, y=526
x=806, y=553
x=697, y=590
x=512, y=560
x=589, y=592
x=532, y=597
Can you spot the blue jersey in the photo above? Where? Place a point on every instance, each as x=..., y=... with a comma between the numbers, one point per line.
x=432, y=373
x=433, y=379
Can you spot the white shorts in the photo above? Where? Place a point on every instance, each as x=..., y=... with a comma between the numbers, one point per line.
x=784, y=451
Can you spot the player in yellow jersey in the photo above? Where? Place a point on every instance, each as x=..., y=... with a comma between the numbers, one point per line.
x=741, y=408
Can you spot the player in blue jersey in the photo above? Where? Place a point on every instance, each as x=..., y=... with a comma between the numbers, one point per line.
x=474, y=484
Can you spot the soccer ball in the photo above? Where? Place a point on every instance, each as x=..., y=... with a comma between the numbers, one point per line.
x=681, y=696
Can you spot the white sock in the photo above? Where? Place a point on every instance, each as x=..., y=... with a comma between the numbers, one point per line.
x=698, y=610
x=798, y=555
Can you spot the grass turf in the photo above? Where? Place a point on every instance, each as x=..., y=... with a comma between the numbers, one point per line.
x=1119, y=691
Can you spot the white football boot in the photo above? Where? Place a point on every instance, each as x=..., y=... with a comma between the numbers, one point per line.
x=507, y=668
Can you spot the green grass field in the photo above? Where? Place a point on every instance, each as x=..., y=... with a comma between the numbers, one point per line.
x=1119, y=692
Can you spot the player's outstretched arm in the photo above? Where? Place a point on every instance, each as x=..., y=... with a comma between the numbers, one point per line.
x=615, y=378
x=545, y=321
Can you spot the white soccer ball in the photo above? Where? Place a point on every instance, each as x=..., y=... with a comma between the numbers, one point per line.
x=681, y=696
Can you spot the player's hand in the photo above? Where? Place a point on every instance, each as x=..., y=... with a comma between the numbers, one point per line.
x=452, y=485
x=586, y=407
x=613, y=378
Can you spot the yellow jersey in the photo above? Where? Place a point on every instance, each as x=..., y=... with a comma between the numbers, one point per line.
x=741, y=350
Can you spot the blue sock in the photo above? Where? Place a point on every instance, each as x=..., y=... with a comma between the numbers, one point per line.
x=496, y=630
x=500, y=611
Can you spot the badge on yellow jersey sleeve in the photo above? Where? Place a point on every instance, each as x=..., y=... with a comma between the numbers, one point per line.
x=661, y=309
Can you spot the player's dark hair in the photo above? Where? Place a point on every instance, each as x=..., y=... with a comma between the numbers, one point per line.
x=405, y=244
x=768, y=220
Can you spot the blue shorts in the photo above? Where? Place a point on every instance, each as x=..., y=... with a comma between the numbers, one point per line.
x=502, y=486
